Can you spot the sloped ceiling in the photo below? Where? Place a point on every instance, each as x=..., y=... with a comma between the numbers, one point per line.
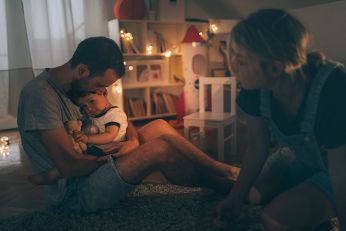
x=241, y=8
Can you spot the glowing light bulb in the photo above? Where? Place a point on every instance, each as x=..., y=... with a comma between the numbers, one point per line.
x=168, y=53
x=130, y=68
x=118, y=90
x=149, y=49
x=213, y=27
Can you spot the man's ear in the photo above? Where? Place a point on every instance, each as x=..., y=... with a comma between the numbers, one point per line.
x=82, y=71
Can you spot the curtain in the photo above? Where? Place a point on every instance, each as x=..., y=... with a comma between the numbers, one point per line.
x=35, y=34
x=15, y=62
x=56, y=27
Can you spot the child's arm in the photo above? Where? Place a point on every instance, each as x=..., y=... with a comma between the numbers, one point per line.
x=106, y=137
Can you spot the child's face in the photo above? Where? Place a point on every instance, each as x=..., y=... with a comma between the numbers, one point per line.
x=93, y=104
x=247, y=68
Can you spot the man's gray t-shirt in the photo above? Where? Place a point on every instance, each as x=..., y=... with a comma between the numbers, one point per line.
x=43, y=105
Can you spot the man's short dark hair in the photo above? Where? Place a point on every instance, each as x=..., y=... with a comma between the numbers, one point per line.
x=99, y=54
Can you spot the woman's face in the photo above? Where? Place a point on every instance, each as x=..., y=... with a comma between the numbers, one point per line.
x=247, y=68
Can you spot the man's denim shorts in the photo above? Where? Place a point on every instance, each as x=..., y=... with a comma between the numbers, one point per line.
x=101, y=189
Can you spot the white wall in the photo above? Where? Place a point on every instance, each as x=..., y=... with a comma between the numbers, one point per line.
x=326, y=24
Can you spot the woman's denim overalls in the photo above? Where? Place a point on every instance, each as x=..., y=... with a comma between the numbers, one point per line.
x=299, y=157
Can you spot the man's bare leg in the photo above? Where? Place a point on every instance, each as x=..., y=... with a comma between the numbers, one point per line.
x=161, y=129
x=159, y=155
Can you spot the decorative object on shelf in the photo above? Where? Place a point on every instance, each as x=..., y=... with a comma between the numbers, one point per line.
x=151, y=13
x=195, y=63
x=159, y=43
x=129, y=9
x=127, y=44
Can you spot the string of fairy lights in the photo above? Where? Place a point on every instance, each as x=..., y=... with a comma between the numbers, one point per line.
x=4, y=146
x=127, y=37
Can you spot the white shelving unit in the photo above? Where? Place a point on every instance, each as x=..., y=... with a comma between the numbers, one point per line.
x=151, y=74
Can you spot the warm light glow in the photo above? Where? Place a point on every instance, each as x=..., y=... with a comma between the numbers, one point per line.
x=4, y=148
x=194, y=44
x=4, y=139
x=128, y=36
x=125, y=63
x=200, y=34
x=149, y=49
x=213, y=28
x=168, y=53
x=118, y=89
x=130, y=68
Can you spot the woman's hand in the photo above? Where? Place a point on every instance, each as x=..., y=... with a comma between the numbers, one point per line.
x=122, y=148
x=226, y=211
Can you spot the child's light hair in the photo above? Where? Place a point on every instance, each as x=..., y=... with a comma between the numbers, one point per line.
x=273, y=35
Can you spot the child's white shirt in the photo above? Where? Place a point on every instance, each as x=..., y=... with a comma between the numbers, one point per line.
x=113, y=117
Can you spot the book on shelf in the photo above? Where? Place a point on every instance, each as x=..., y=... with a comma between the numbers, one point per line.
x=127, y=107
x=160, y=42
x=136, y=107
x=164, y=102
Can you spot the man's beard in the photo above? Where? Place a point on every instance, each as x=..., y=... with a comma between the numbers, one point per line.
x=74, y=91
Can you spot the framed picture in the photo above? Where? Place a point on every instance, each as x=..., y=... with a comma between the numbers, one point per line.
x=155, y=72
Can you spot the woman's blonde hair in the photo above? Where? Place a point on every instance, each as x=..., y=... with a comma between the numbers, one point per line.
x=273, y=34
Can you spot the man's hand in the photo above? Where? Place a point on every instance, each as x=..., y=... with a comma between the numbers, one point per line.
x=122, y=148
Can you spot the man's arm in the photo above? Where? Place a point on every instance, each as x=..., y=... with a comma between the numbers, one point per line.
x=337, y=172
x=69, y=163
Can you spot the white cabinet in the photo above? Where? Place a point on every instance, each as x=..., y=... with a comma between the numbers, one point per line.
x=153, y=78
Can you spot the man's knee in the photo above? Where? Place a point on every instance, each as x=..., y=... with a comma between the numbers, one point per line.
x=159, y=123
x=270, y=223
x=165, y=151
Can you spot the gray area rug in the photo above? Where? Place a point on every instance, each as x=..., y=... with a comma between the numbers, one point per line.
x=150, y=207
